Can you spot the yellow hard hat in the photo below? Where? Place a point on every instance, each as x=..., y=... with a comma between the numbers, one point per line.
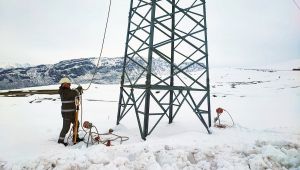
x=65, y=80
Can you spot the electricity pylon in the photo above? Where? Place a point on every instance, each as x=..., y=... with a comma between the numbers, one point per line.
x=166, y=42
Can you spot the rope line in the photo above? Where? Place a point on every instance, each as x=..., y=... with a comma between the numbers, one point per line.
x=230, y=117
x=296, y=4
x=94, y=134
x=90, y=133
x=102, y=45
x=100, y=139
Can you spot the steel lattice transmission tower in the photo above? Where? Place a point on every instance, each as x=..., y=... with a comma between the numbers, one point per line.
x=166, y=43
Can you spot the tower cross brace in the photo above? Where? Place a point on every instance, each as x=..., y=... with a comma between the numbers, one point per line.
x=165, y=63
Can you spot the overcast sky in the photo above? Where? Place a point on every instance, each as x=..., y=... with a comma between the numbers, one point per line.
x=240, y=32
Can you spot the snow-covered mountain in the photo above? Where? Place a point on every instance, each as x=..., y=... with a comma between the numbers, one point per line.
x=8, y=65
x=79, y=70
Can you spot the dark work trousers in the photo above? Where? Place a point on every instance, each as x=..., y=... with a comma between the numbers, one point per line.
x=66, y=127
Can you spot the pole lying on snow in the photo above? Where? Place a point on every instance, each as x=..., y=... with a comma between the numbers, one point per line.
x=23, y=93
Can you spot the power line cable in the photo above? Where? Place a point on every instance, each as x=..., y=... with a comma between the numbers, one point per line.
x=296, y=4
x=101, y=50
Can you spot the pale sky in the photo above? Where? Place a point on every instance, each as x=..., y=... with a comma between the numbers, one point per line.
x=240, y=32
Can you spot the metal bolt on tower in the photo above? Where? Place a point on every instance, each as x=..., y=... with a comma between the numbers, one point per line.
x=166, y=42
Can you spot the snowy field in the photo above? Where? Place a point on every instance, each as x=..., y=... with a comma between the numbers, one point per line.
x=263, y=103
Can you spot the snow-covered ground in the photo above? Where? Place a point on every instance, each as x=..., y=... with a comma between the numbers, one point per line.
x=263, y=103
x=7, y=65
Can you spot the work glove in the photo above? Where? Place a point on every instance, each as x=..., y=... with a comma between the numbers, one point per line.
x=80, y=89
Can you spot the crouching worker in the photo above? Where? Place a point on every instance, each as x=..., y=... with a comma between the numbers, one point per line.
x=68, y=108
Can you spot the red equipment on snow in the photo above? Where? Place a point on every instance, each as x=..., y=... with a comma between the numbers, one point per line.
x=219, y=113
x=87, y=125
x=219, y=110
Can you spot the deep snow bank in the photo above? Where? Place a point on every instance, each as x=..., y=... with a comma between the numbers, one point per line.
x=261, y=155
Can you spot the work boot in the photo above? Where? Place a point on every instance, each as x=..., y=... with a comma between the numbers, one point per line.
x=62, y=142
x=79, y=139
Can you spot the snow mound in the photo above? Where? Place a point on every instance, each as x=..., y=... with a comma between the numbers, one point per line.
x=263, y=155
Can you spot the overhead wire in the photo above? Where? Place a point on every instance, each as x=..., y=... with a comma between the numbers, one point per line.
x=122, y=138
x=102, y=45
x=296, y=4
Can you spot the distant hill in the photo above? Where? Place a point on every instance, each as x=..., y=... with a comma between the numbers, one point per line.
x=80, y=70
